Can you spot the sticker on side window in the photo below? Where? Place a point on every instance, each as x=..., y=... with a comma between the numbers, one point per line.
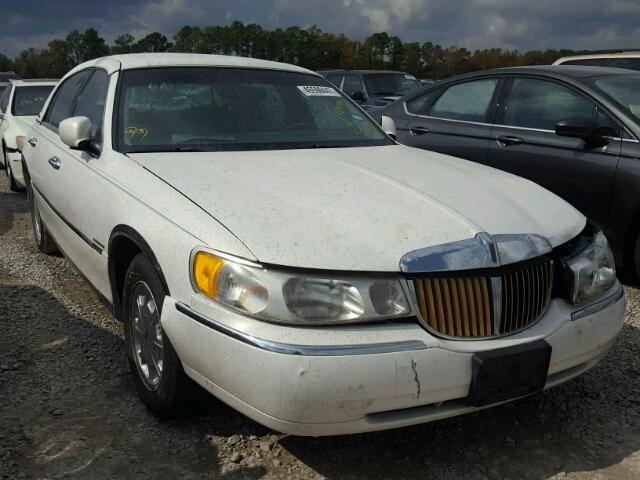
x=318, y=91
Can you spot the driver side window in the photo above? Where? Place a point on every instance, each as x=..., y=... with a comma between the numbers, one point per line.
x=62, y=104
x=90, y=103
x=540, y=104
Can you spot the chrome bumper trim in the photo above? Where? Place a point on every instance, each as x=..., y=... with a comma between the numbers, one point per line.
x=599, y=305
x=305, y=350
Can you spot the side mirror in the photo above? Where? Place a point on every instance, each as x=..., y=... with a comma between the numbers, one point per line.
x=389, y=126
x=593, y=135
x=358, y=96
x=75, y=132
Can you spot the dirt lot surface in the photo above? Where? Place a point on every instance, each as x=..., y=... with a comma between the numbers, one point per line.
x=68, y=408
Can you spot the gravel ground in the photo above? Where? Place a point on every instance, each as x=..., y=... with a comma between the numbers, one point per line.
x=68, y=408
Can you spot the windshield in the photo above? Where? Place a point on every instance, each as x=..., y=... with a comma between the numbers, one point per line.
x=29, y=100
x=390, y=84
x=623, y=90
x=210, y=109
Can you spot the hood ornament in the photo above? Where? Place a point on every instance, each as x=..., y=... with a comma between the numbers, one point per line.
x=481, y=251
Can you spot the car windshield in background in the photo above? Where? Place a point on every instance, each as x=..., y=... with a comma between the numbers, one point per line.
x=380, y=84
x=29, y=100
x=622, y=89
x=210, y=109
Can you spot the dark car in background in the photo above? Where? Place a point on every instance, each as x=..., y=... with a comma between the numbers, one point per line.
x=574, y=130
x=371, y=88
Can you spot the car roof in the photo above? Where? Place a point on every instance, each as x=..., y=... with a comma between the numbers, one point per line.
x=131, y=61
x=557, y=71
x=35, y=81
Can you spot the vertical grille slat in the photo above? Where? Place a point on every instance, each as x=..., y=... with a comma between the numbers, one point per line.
x=463, y=306
x=456, y=306
x=466, y=330
x=471, y=305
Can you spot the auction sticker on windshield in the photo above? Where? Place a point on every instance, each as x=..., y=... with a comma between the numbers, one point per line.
x=318, y=91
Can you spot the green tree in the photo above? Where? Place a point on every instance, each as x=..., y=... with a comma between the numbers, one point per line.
x=154, y=42
x=123, y=44
x=57, y=58
x=6, y=64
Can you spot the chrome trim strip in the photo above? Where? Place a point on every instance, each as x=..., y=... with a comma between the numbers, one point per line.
x=305, y=350
x=482, y=251
x=598, y=305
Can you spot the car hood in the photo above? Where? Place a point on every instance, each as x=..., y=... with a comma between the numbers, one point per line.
x=358, y=209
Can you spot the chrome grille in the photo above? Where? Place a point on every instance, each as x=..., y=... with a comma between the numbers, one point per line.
x=485, y=305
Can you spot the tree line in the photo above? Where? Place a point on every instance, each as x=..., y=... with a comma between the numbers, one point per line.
x=308, y=47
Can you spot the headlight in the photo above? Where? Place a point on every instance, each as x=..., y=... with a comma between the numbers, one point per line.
x=294, y=297
x=593, y=270
x=20, y=141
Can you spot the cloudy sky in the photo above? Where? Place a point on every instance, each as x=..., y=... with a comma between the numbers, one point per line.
x=521, y=24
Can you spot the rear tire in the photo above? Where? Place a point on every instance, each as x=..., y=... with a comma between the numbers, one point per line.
x=13, y=186
x=44, y=241
x=157, y=371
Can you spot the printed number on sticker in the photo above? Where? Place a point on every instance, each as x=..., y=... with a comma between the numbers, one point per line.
x=318, y=91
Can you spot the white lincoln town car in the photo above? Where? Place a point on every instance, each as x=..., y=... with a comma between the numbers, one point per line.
x=261, y=236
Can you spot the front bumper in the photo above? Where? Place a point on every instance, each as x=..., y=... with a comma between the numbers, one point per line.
x=309, y=381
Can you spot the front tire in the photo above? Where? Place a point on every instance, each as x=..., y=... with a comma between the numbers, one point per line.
x=43, y=240
x=157, y=371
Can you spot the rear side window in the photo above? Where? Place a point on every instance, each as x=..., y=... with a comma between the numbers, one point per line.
x=90, y=102
x=419, y=104
x=628, y=63
x=540, y=104
x=352, y=84
x=594, y=62
x=335, y=79
x=61, y=106
x=29, y=100
x=470, y=101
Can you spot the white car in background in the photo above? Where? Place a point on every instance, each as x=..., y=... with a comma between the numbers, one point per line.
x=258, y=234
x=628, y=59
x=20, y=103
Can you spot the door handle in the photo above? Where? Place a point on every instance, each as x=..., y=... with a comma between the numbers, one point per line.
x=33, y=141
x=418, y=130
x=55, y=162
x=508, y=140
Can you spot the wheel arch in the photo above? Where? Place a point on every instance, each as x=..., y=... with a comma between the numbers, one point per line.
x=124, y=244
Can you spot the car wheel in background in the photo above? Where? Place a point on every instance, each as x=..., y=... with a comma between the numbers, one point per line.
x=157, y=371
x=43, y=240
x=4, y=157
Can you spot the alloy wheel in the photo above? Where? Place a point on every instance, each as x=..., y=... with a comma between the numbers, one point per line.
x=146, y=333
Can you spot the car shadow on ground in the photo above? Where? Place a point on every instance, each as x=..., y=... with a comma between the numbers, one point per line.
x=587, y=424
x=68, y=407
x=10, y=205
